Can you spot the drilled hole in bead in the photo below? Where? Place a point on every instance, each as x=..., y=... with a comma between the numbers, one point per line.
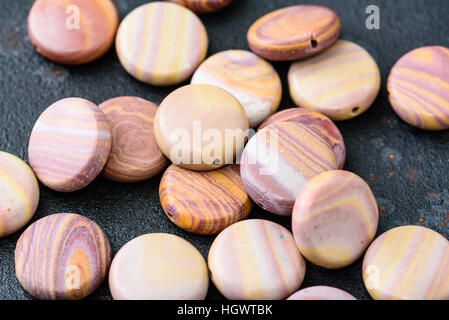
x=314, y=43
x=355, y=109
x=217, y=162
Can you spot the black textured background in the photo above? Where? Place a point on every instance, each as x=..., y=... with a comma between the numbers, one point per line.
x=407, y=168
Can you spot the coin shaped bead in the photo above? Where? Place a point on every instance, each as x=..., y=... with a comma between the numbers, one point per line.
x=19, y=194
x=408, y=263
x=418, y=86
x=62, y=256
x=72, y=31
x=158, y=266
x=201, y=127
x=135, y=155
x=294, y=32
x=203, y=6
x=321, y=293
x=204, y=202
x=155, y=50
x=278, y=162
x=69, y=144
x=252, y=80
x=334, y=219
x=317, y=121
x=256, y=260
x=341, y=83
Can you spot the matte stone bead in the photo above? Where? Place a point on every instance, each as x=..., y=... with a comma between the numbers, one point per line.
x=203, y=6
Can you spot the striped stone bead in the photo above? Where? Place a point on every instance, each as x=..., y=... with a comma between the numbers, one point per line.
x=321, y=293
x=158, y=266
x=69, y=144
x=341, y=83
x=19, y=194
x=63, y=256
x=278, y=162
x=203, y=6
x=135, y=155
x=294, y=32
x=256, y=260
x=252, y=80
x=408, y=263
x=418, y=86
x=73, y=31
x=204, y=202
x=156, y=50
x=335, y=219
x=317, y=121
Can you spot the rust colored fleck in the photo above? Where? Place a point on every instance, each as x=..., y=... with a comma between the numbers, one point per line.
x=413, y=175
x=11, y=44
x=391, y=156
x=421, y=220
x=431, y=195
x=58, y=72
x=390, y=174
x=442, y=224
x=384, y=208
x=389, y=121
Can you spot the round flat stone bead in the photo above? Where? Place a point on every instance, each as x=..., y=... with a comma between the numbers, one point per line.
x=278, y=162
x=408, y=263
x=203, y=6
x=418, y=86
x=158, y=266
x=317, y=121
x=252, y=80
x=204, y=202
x=62, y=256
x=19, y=194
x=294, y=32
x=72, y=31
x=321, y=293
x=334, y=219
x=135, y=155
x=201, y=127
x=69, y=144
x=341, y=83
x=256, y=260
x=155, y=50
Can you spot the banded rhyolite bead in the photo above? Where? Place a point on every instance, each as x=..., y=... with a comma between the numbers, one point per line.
x=62, y=256
x=135, y=155
x=203, y=6
x=418, y=86
x=69, y=144
x=158, y=266
x=73, y=31
x=294, y=32
x=334, y=219
x=19, y=194
x=321, y=293
x=161, y=43
x=408, y=263
x=278, y=162
x=319, y=122
x=341, y=83
x=252, y=80
x=204, y=202
x=256, y=260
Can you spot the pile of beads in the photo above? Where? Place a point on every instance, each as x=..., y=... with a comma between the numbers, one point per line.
x=292, y=166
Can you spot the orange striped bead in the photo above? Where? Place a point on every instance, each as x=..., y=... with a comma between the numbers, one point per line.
x=73, y=31
x=419, y=88
x=203, y=6
x=294, y=32
x=204, y=202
